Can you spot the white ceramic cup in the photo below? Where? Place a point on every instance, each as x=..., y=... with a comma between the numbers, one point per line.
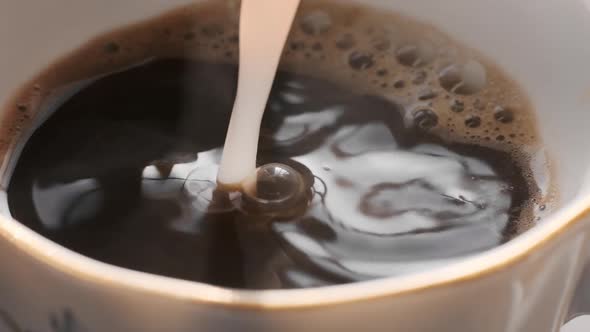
x=532, y=284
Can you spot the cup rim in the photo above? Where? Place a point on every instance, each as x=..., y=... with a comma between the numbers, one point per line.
x=481, y=265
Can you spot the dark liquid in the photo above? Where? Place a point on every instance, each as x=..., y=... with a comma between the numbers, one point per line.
x=388, y=197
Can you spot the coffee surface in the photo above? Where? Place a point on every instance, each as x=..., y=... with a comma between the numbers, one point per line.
x=414, y=151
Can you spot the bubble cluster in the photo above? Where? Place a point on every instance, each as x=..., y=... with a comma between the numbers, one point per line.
x=373, y=52
x=414, y=64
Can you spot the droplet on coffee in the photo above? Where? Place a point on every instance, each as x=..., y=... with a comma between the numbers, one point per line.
x=274, y=188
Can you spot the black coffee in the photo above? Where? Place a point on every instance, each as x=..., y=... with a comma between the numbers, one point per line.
x=403, y=170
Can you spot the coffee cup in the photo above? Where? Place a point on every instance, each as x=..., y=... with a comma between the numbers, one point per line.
x=534, y=283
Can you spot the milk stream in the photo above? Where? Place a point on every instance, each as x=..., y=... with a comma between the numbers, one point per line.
x=264, y=27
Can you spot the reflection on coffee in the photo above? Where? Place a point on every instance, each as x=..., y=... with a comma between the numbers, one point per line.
x=411, y=151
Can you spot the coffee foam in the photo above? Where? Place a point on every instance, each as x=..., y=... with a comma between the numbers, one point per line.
x=444, y=87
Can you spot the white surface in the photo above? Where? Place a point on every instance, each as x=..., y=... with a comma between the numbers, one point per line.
x=580, y=324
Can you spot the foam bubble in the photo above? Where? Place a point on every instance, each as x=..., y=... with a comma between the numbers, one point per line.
x=415, y=55
x=190, y=35
x=213, y=30
x=427, y=94
x=473, y=121
x=111, y=47
x=297, y=45
x=503, y=115
x=479, y=105
x=361, y=60
x=317, y=46
x=425, y=118
x=399, y=84
x=463, y=79
x=457, y=106
x=316, y=22
x=345, y=42
x=381, y=44
x=420, y=77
